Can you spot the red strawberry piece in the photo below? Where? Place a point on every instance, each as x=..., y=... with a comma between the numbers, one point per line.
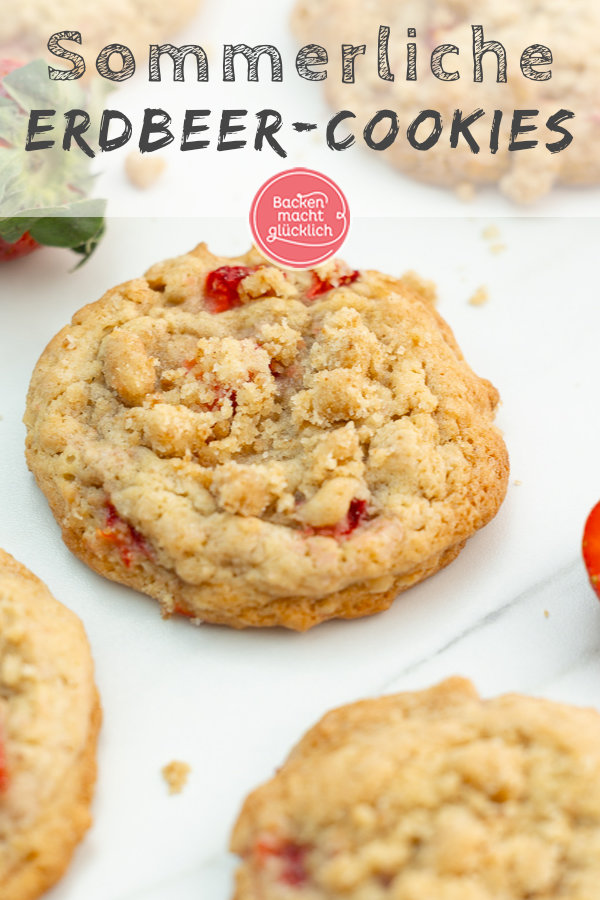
x=223, y=394
x=356, y=515
x=181, y=610
x=222, y=287
x=357, y=511
x=129, y=542
x=221, y=391
x=294, y=871
x=591, y=547
x=3, y=767
x=291, y=857
x=24, y=245
x=322, y=285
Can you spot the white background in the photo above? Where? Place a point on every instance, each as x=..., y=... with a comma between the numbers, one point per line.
x=232, y=703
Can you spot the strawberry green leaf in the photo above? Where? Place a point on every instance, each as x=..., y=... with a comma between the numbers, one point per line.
x=64, y=232
x=30, y=87
x=12, y=229
x=86, y=249
x=80, y=234
x=77, y=227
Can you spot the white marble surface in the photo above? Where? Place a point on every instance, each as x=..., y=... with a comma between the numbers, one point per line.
x=231, y=704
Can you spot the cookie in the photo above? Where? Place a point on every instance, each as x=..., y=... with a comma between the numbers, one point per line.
x=433, y=794
x=49, y=720
x=570, y=28
x=135, y=23
x=254, y=446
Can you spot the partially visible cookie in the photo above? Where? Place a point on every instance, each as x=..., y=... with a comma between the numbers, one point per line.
x=49, y=720
x=24, y=33
x=433, y=795
x=256, y=446
x=525, y=175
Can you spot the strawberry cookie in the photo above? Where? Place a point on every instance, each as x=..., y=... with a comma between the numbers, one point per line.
x=256, y=446
x=49, y=720
x=430, y=795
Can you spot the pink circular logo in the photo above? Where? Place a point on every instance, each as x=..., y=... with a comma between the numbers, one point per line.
x=299, y=218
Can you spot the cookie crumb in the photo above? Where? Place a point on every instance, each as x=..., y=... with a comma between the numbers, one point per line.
x=546, y=614
x=465, y=192
x=144, y=171
x=176, y=774
x=480, y=297
x=69, y=342
x=491, y=233
x=517, y=482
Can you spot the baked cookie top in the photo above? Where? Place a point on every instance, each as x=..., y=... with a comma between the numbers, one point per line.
x=433, y=794
x=226, y=426
x=49, y=717
x=525, y=175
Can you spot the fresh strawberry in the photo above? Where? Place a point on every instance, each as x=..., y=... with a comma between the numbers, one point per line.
x=21, y=247
x=44, y=195
x=591, y=547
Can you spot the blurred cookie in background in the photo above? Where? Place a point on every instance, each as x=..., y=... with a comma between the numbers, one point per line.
x=571, y=31
x=49, y=721
x=430, y=794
